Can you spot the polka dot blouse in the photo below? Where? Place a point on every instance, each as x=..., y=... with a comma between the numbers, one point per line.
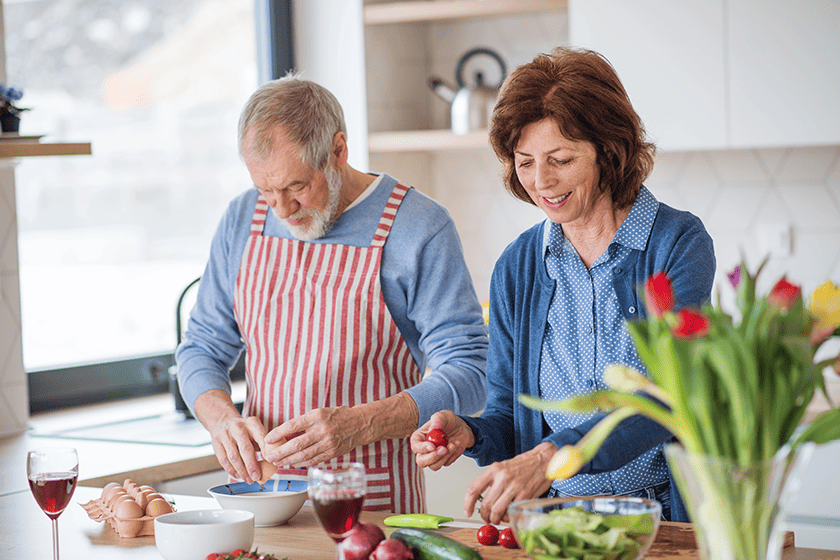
x=586, y=332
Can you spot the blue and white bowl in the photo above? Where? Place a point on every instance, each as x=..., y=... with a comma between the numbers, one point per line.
x=277, y=501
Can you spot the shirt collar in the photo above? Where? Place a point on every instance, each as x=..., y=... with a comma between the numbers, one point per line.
x=633, y=232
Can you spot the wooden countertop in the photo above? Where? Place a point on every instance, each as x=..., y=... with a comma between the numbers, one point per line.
x=301, y=539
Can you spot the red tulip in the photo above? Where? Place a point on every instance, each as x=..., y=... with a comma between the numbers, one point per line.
x=659, y=294
x=784, y=294
x=691, y=324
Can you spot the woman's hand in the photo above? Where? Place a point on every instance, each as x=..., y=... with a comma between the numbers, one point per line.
x=519, y=478
x=458, y=433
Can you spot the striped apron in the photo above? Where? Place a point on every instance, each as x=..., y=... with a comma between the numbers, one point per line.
x=318, y=334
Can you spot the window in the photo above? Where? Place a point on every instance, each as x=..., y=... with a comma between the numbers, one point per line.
x=107, y=242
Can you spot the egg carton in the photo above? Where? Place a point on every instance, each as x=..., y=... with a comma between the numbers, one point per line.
x=127, y=528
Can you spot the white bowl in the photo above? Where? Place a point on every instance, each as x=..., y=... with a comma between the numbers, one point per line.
x=193, y=534
x=273, y=504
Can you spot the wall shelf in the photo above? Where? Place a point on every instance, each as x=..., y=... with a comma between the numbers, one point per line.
x=426, y=141
x=437, y=10
x=23, y=149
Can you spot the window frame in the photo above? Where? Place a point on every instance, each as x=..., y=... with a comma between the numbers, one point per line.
x=131, y=377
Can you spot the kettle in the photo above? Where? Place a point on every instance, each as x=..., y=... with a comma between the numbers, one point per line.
x=472, y=105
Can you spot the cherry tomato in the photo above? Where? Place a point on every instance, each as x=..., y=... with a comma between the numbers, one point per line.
x=506, y=538
x=437, y=437
x=488, y=535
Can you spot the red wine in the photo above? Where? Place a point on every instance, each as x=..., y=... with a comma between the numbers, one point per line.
x=53, y=491
x=338, y=514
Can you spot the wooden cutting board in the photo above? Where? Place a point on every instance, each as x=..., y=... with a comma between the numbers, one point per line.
x=673, y=541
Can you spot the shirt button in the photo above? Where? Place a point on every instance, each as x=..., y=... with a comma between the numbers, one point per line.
x=632, y=310
x=588, y=330
x=590, y=383
x=616, y=270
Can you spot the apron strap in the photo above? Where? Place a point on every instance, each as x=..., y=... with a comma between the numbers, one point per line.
x=260, y=212
x=387, y=218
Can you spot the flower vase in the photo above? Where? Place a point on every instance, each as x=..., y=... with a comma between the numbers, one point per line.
x=9, y=122
x=738, y=513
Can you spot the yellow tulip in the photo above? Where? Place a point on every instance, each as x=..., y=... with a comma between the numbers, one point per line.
x=565, y=463
x=825, y=307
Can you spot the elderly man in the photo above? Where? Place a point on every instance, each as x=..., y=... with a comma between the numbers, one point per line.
x=342, y=287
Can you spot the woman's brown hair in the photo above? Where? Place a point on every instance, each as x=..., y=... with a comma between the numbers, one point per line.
x=580, y=91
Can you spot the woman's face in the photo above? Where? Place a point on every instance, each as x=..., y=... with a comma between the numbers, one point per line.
x=560, y=175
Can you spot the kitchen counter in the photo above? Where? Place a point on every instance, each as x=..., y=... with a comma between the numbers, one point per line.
x=103, y=461
x=300, y=539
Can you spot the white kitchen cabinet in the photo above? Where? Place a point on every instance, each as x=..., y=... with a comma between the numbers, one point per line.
x=670, y=58
x=711, y=74
x=784, y=72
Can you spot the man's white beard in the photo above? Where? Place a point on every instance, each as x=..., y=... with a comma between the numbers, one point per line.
x=320, y=222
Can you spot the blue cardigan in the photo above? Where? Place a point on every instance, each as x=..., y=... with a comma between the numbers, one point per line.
x=520, y=294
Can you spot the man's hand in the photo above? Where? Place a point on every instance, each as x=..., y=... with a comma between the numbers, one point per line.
x=325, y=433
x=457, y=431
x=235, y=439
x=520, y=478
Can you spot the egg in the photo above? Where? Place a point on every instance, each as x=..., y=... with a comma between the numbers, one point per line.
x=267, y=471
x=118, y=499
x=158, y=507
x=116, y=493
x=155, y=496
x=109, y=490
x=128, y=509
x=142, y=498
x=147, y=487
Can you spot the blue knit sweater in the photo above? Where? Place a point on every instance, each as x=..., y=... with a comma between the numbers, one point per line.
x=520, y=294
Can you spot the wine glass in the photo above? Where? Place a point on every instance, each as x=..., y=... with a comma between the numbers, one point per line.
x=52, y=475
x=337, y=495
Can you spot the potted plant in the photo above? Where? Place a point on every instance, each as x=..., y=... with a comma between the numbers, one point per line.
x=9, y=113
x=734, y=391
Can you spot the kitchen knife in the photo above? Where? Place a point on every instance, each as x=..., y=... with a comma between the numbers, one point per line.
x=426, y=521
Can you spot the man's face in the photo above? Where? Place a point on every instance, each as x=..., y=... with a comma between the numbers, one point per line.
x=302, y=197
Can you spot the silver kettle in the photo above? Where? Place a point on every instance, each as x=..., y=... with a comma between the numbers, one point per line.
x=472, y=105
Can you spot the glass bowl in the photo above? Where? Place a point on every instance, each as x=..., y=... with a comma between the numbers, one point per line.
x=596, y=527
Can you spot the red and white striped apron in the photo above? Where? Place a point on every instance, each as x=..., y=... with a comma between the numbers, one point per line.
x=318, y=334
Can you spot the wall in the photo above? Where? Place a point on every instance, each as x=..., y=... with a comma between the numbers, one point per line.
x=747, y=199
x=14, y=394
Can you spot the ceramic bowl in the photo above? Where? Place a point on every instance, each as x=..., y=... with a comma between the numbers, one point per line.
x=274, y=504
x=598, y=527
x=193, y=534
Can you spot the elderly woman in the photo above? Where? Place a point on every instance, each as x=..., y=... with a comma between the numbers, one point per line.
x=561, y=294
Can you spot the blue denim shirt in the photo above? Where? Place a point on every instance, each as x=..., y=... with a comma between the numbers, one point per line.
x=520, y=296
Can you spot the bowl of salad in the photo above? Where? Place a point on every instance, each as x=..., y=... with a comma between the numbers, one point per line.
x=596, y=527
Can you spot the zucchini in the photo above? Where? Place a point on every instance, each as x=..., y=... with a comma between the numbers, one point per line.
x=433, y=546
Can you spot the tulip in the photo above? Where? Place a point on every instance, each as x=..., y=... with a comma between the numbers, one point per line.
x=784, y=294
x=624, y=379
x=659, y=294
x=691, y=324
x=565, y=463
x=825, y=307
x=735, y=277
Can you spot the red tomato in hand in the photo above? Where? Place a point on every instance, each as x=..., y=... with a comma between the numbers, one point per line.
x=488, y=535
x=437, y=437
x=507, y=539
